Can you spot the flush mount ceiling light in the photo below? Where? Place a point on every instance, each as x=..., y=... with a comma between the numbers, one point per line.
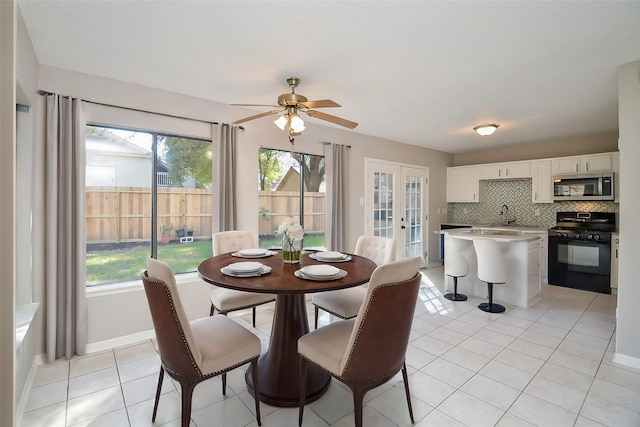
x=486, y=130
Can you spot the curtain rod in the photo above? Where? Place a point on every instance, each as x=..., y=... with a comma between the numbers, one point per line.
x=44, y=92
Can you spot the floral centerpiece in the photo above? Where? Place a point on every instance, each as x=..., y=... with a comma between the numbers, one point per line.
x=292, y=234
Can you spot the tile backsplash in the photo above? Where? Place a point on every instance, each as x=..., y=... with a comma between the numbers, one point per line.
x=516, y=195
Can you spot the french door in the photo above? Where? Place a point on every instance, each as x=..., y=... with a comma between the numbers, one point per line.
x=396, y=206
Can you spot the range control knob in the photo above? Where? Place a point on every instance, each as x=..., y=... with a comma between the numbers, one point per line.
x=596, y=237
x=576, y=236
x=590, y=236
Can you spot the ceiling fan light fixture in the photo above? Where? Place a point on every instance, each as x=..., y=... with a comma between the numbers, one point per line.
x=485, y=130
x=281, y=122
x=296, y=123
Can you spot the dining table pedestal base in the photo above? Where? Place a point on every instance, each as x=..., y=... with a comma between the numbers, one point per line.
x=279, y=367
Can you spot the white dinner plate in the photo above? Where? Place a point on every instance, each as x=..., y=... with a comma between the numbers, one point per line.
x=264, y=270
x=317, y=258
x=320, y=270
x=245, y=267
x=330, y=255
x=339, y=275
x=253, y=252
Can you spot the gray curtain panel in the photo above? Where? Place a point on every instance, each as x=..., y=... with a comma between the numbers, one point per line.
x=224, y=164
x=336, y=161
x=64, y=219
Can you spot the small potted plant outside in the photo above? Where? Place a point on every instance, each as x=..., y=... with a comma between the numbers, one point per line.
x=165, y=233
x=181, y=232
x=190, y=231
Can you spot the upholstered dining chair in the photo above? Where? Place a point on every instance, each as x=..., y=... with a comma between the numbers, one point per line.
x=228, y=300
x=345, y=303
x=194, y=351
x=368, y=350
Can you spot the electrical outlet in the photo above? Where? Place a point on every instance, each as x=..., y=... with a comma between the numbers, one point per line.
x=536, y=212
x=464, y=210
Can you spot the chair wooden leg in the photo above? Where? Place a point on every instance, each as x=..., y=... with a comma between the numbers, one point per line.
x=256, y=396
x=187, y=396
x=406, y=390
x=224, y=384
x=212, y=310
x=155, y=406
x=316, y=312
x=303, y=387
x=358, y=397
x=254, y=316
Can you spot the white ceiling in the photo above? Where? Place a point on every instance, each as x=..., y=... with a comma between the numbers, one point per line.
x=418, y=72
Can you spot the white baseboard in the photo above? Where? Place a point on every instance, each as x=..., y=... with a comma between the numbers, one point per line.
x=120, y=341
x=623, y=359
x=40, y=359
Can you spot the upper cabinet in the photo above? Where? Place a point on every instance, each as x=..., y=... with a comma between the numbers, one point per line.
x=542, y=181
x=509, y=170
x=589, y=163
x=463, y=184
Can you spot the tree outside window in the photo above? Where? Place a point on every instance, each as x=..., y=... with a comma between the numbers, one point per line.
x=290, y=184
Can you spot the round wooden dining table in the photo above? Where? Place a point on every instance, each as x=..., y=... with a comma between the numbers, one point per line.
x=278, y=368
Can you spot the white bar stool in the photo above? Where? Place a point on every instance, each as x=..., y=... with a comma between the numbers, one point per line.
x=491, y=269
x=455, y=265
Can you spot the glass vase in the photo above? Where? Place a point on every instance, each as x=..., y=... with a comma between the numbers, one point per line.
x=291, y=249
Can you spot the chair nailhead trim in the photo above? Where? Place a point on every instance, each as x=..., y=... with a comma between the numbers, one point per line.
x=365, y=316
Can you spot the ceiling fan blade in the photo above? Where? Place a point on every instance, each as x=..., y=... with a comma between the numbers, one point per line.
x=257, y=116
x=321, y=103
x=333, y=119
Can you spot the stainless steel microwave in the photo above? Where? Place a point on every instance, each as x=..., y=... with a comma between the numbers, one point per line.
x=586, y=186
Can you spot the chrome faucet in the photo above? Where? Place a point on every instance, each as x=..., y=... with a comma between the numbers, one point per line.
x=504, y=210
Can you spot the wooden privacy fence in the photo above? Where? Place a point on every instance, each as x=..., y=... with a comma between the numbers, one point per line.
x=276, y=206
x=123, y=214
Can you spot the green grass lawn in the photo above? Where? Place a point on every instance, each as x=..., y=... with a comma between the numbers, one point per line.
x=125, y=264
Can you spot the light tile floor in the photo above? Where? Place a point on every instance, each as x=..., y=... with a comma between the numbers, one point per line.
x=549, y=365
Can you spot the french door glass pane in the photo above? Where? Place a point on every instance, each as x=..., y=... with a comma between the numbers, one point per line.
x=383, y=204
x=279, y=189
x=413, y=216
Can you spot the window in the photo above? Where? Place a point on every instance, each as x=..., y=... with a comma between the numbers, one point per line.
x=290, y=184
x=133, y=212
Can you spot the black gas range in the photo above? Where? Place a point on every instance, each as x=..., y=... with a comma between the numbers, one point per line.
x=580, y=250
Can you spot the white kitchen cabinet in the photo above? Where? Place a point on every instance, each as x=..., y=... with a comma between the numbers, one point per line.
x=615, y=247
x=588, y=163
x=544, y=251
x=542, y=181
x=463, y=184
x=508, y=170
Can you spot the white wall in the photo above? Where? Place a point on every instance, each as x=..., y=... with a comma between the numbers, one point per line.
x=627, y=335
x=7, y=210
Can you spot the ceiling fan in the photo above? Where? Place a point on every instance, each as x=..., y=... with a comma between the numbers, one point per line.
x=294, y=103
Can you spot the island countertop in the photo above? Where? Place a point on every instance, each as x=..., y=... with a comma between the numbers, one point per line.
x=499, y=235
x=521, y=255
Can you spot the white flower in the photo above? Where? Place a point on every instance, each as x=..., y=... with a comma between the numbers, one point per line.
x=291, y=229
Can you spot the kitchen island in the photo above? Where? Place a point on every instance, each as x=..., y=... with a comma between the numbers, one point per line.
x=521, y=254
